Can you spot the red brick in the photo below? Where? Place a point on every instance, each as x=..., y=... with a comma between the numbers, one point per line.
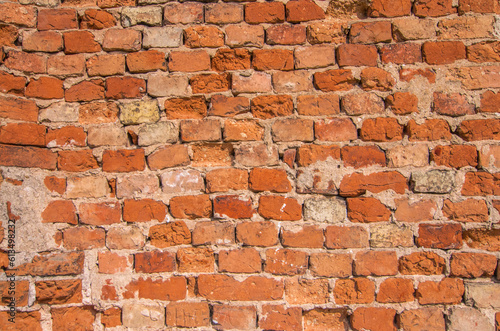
x=293, y=130
x=319, y=56
x=307, y=236
x=490, y=102
x=146, y=61
x=401, y=53
x=11, y=83
x=443, y=52
x=171, y=289
x=407, y=74
x=102, y=213
x=189, y=61
x=200, y=130
x=272, y=59
x=45, y=88
x=326, y=32
x=232, y=206
x=26, y=62
x=106, y=65
x=280, y=208
x=388, y=8
x=303, y=11
x=81, y=238
x=243, y=130
x=203, y=36
x=376, y=79
x=470, y=210
x=66, y=65
x=258, y=233
x=431, y=319
x=448, y=291
x=196, y=259
x=253, y=288
x=213, y=233
x=112, y=263
x=422, y=263
x=306, y=291
x=144, y=210
x=338, y=237
x=23, y=134
x=8, y=34
x=274, y=180
x=396, y=290
x=433, y=8
x=125, y=87
x=127, y=40
x=186, y=108
x=244, y=35
x=223, y=180
x=234, y=317
x=169, y=156
x=123, y=160
x=408, y=211
x=188, y=314
x=231, y=59
x=280, y=318
x=285, y=34
x=330, y=265
x=262, y=12
x=289, y=157
x=191, y=207
x=366, y=103
x=370, y=32
x=354, y=291
x=334, y=80
x=402, y=103
x=381, y=129
x=184, y=13
x=481, y=184
x=325, y=319
x=212, y=155
x=169, y=234
x=243, y=260
x=55, y=184
x=53, y=264
x=73, y=318
x=256, y=82
x=362, y=156
x=111, y=317
x=270, y=106
x=17, y=14
x=367, y=210
x=455, y=156
x=484, y=239
x=43, y=41
x=376, y=263
x=86, y=91
x=358, y=183
x=431, y=129
x=75, y=161
x=440, y=236
x=57, y=19
x=220, y=105
x=59, y=291
x=223, y=13
x=154, y=261
x=485, y=51
x=453, y=104
x=336, y=129
x=209, y=83
x=472, y=265
x=80, y=42
x=482, y=129
x=27, y=157
x=60, y=211
x=97, y=20
x=357, y=55
x=256, y=155
x=310, y=154
x=318, y=105
x=373, y=318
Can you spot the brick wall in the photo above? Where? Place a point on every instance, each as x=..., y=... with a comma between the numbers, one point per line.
x=250, y=165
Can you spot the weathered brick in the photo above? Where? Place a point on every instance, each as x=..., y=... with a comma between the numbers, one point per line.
x=244, y=260
x=191, y=207
x=281, y=318
x=338, y=237
x=223, y=180
x=27, y=157
x=234, y=317
x=483, y=239
x=341, y=129
x=260, y=12
x=443, y=52
x=285, y=34
x=331, y=265
x=127, y=40
x=302, y=236
x=304, y=291
x=431, y=129
x=57, y=19
x=373, y=318
x=447, y=291
x=357, y=183
x=422, y=318
x=280, y=208
x=385, y=8
x=106, y=65
x=184, y=13
x=171, y=289
x=186, y=108
x=440, y=236
x=151, y=16
x=82, y=238
x=310, y=57
x=23, y=134
x=26, y=62
x=381, y=129
x=325, y=32
x=357, y=55
x=188, y=314
x=255, y=83
x=331, y=319
x=362, y=103
x=370, y=32
x=212, y=155
x=203, y=36
x=143, y=210
x=409, y=211
x=224, y=287
x=481, y=183
x=209, y=83
x=196, y=259
x=42, y=41
x=189, y=61
x=421, y=263
x=472, y=265
x=470, y=210
x=215, y=233
x=97, y=19
x=396, y=290
x=232, y=206
x=170, y=234
x=73, y=317
x=433, y=8
x=253, y=233
x=354, y=291
x=141, y=315
x=466, y=27
x=244, y=35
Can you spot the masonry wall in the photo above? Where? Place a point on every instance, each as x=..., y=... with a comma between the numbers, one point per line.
x=250, y=165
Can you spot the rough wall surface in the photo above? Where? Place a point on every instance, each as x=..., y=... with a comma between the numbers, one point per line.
x=250, y=165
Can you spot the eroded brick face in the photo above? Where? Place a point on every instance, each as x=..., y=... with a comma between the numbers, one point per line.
x=250, y=165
